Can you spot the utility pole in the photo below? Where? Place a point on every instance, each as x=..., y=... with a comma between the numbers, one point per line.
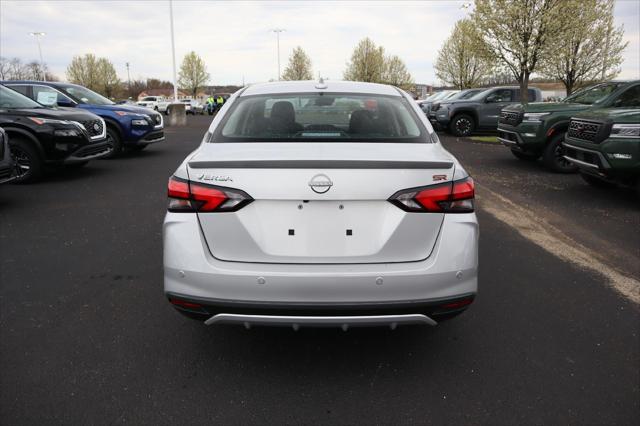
x=129, y=79
x=37, y=35
x=278, y=31
x=173, y=54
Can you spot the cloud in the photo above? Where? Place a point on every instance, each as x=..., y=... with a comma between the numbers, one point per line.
x=234, y=38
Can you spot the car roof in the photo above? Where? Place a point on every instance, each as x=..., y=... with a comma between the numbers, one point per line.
x=332, y=86
x=41, y=83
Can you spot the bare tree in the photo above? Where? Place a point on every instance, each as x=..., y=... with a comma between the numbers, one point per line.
x=108, y=81
x=299, y=67
x=367, y=62
x=462, y=60
x=519, y=33
x=590, y=48
x=193, y=73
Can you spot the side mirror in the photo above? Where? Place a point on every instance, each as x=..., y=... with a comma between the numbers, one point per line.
x=64, y=102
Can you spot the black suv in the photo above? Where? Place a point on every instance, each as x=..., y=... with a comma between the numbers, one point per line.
x=40, y=136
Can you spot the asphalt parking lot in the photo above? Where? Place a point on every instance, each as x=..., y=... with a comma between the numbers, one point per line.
x=87, y=336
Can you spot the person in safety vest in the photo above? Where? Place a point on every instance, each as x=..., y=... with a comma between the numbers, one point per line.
x=220, y=100
x=211, y=104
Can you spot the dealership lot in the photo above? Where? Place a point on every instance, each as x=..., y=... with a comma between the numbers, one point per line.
x=88, y=337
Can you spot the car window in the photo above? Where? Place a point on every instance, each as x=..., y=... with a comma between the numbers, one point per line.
x=305, y=117
x=593, y=94
x=20, y=88
x=46, y=96
x=10, y=99
x=630, y=98
x=85, y=96
x=501, y=95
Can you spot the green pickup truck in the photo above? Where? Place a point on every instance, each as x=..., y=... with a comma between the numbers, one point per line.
x=605, y=143
x=538, y=129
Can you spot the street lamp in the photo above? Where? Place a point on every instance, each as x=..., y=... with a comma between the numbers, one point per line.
x=173, y=54
x=278, y=31
x=37, y=35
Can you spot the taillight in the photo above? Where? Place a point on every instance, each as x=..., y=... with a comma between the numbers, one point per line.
x=187, y=196
x=448, y=197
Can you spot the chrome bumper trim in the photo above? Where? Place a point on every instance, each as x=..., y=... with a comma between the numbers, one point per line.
x=343, y=322
x=605, y=163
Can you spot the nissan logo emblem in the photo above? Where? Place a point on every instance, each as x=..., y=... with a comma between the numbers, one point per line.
x=320, y=184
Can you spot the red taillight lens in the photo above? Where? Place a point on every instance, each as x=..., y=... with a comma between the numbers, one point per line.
x=186, y=196
x=448, y=197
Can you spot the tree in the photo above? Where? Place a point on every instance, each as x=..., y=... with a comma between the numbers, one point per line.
x=367, y=62
x=462, y=60
x=299, y=67
x=97, y=74
x=395, y=73
x=193, y=73
x=519, y=33
x=83, y=70
x=590, y=47
x=108, y=81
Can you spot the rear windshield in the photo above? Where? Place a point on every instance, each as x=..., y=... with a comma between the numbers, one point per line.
x=308, y=117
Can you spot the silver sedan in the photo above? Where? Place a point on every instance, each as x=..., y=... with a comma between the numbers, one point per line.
x=320, y=204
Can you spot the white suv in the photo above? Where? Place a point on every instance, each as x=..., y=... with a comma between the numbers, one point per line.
x=320, y=204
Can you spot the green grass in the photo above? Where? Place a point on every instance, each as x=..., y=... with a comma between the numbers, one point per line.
x=492, y=139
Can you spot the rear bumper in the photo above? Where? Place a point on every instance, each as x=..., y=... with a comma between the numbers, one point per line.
x=193, y=275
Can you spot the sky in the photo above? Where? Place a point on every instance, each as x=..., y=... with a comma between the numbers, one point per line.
x=235, y=38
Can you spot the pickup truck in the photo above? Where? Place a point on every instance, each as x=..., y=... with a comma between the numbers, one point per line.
x=538, y=129
x=480, y=112
x=150, y=102
x=604, y=143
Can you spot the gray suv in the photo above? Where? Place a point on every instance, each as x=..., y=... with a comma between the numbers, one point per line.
x=480, y=112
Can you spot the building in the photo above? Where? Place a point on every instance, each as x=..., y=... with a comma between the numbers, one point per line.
x=422, y=90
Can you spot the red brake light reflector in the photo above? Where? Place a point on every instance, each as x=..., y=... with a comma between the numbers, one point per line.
x=187, y=196
x=448, y=197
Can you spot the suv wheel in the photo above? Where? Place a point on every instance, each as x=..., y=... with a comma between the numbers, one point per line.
x=526, y=156
x=553, y=156
x=462, y=125
x=113, y=139
x=29, y=164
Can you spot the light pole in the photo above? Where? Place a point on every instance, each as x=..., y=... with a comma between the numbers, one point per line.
x=173, y=54
x=37, y=35
x=278, y=31
x=129, y=78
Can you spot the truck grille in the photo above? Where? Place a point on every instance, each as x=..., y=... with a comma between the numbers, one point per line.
x=584, y=130
x=94, y=127
x=510, y=118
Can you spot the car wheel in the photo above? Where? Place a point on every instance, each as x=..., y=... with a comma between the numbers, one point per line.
x=29, y=164
x=526, y=156
x=553, y=156
x=594, y=181
x=462, y=125
x=113, y=139
x=155, y=108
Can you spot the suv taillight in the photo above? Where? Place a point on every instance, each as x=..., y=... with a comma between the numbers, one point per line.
x=187, y=196
x=448, y=197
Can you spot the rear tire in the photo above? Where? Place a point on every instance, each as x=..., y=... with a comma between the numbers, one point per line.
x=525, y=156
x=113, y=139
x=462, y=125
x=552, y=156
x=29, y=163
x=594, y=181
